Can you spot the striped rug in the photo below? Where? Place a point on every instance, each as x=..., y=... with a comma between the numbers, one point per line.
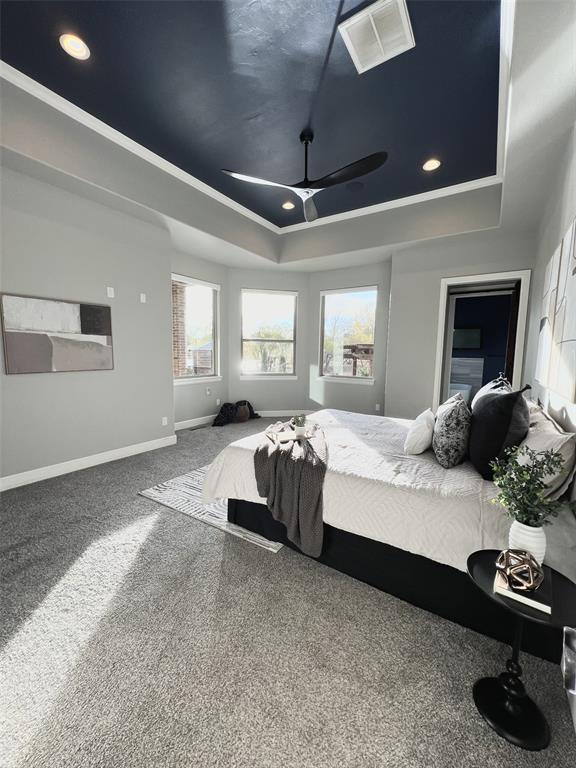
x=184, y=494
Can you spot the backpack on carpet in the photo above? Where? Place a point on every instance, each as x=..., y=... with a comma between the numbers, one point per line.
x=230, y=413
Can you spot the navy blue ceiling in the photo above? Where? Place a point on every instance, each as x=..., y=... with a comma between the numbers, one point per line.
x=230, y=84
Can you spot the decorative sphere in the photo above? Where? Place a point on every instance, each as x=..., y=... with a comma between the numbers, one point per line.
x=520, y=569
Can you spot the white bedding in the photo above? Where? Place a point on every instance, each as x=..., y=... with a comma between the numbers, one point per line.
x=374, y=490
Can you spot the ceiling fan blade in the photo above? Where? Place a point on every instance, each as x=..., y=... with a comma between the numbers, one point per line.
x=254, y=179
x=310, y=210
x=352, y=171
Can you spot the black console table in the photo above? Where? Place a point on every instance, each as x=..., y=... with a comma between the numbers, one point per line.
x=502, y=701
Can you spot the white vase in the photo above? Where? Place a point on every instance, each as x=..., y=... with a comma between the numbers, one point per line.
x=300, y=431
x=528, y=538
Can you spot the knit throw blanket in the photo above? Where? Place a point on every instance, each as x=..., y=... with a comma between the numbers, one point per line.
x=290, y=476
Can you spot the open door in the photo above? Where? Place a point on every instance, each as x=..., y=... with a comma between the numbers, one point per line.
x=482, y=332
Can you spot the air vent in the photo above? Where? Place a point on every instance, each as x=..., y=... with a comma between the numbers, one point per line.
x=377, y=33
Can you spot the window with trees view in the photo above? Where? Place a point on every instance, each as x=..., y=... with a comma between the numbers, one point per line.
x=347, y=327
x=194, y=328
x=268, y=332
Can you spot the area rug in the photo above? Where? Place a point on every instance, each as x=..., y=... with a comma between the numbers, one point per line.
x=184, y=494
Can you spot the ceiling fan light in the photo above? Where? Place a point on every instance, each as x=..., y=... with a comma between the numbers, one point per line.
x=288, y=205
x=432, y=164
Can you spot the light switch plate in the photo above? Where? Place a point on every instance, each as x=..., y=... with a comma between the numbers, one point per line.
x=142, y=298
x=110, y=292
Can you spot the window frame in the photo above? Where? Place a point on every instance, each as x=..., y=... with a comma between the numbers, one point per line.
x=269, y=376
x=200, y=377
x=335, y=377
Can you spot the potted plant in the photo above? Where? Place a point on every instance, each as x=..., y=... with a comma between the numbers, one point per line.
x=519, y=477
x=299, y=422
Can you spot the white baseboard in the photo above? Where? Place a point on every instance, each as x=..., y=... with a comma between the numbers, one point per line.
x=188, y=423
x=201, y=420
x=64, y=467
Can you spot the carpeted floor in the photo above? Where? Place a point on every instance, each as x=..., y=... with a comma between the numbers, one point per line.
x=136, y=637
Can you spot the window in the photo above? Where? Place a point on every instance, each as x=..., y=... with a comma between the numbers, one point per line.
x=347, y=332
x=194, y=327
x=268, y=332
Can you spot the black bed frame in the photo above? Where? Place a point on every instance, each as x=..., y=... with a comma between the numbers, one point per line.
x=438, y=588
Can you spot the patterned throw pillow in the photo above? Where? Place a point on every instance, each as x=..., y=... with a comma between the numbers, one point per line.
x=451, y=431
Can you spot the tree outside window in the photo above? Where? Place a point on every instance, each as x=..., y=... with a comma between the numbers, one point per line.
x=348, y=323
x=268, y=332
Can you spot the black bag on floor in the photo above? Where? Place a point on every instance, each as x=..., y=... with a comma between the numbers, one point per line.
x=228, y=413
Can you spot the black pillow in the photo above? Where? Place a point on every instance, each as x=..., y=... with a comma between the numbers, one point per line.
x=500, y=420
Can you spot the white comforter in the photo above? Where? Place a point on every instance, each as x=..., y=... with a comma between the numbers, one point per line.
x=374, y=490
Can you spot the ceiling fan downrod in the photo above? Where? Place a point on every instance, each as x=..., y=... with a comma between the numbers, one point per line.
x=306, y=137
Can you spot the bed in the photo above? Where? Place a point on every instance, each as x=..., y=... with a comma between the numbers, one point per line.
x=401, y=523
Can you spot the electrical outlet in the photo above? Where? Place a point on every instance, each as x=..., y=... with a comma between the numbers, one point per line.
x=110, y=292
x=377, y=406
x=208, y=391
x=164, y=421
x=217, y=401
x=142, y=298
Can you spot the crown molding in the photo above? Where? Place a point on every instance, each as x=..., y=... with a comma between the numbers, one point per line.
x=52, y=99
x=507, y=18
x=435, y=194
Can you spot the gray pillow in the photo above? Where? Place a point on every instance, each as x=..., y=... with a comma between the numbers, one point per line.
x=501, y=385
x=545, y=435
x=451, y=431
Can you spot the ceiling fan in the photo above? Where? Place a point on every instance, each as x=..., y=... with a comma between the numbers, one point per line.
x=307, y=188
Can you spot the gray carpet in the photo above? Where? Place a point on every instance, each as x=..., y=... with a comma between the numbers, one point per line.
x=135, y=637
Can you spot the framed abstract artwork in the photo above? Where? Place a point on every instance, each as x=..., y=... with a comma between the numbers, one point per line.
x=556, y=362
x=50, y=335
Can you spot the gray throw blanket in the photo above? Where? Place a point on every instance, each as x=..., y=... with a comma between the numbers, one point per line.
x=290, y=475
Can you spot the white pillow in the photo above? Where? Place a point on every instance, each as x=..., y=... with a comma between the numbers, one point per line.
x=545, y=435
x=419, y=437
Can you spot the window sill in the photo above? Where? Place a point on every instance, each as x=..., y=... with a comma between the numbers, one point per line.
x=268, y=377
x=197, y=380
x=365, y=380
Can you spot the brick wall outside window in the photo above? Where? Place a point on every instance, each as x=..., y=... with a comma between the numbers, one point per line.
x=179, y=329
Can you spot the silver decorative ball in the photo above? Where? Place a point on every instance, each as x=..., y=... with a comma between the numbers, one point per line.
x=520, y=569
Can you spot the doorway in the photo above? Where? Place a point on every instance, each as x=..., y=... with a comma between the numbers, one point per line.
x=481, y=331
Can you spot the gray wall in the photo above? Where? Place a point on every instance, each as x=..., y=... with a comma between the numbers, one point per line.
x=350, y=395
x=268, y=395
x=308, y=391
x=560, y=211
x=57, y=245
x=415, y=298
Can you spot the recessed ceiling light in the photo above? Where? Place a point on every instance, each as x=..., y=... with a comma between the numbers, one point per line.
x=75, y=47
x=288, y=205
x=431, y=165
